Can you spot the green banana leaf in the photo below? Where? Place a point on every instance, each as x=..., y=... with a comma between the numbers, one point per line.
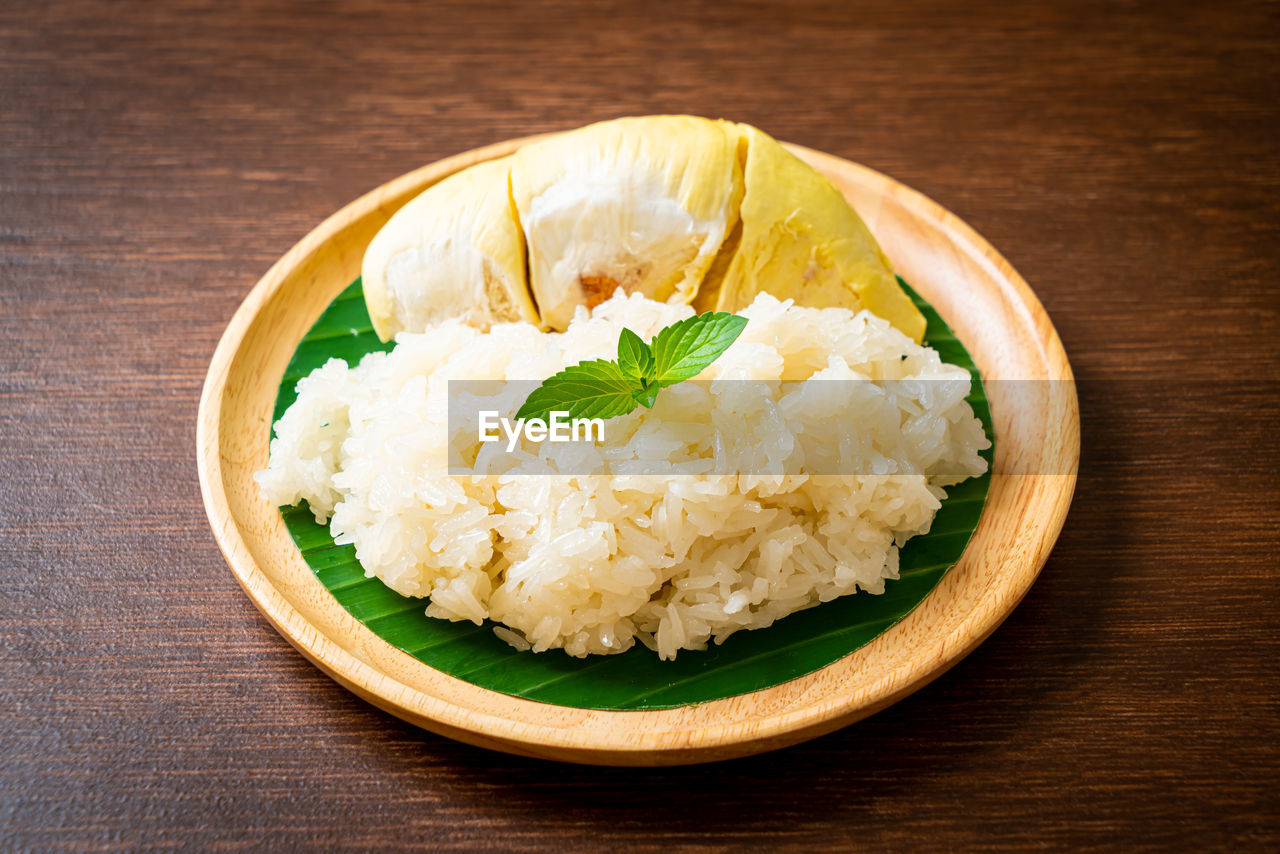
x=638, y=679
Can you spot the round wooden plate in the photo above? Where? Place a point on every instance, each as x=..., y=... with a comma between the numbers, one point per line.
x=981, y=297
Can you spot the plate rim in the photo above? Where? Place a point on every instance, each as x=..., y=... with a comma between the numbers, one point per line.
x=666, y=736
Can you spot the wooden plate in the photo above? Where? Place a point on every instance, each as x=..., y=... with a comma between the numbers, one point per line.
x=981, y=297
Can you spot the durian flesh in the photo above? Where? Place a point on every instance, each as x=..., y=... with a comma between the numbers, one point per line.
x=456, y=250
x=641, y=204
x=677, y=208
x=800, y=238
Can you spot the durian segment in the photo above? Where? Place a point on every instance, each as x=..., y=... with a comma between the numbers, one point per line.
x=456, y=250
x=641, y=204
x=799, y=238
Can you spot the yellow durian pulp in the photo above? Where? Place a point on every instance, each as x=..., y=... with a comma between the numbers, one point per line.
x=641, y=204
x=678, y=208
x=455, y=250
x=800, y=239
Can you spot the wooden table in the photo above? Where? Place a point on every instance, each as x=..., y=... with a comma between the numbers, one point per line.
x=156, y=158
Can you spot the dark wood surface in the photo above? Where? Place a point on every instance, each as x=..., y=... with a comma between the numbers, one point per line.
x=156, y=158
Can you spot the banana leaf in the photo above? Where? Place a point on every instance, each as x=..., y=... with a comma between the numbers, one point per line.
x=747, y=661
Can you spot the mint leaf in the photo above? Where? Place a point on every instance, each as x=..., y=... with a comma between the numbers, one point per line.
x=683, y=349
x=634, y=356
x=595, y=389
x=604, y=389
x=646, y=395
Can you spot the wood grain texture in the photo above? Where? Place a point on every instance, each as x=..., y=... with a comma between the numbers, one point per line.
x=155, y=159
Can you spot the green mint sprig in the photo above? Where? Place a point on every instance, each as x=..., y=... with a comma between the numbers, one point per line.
x=603, y=389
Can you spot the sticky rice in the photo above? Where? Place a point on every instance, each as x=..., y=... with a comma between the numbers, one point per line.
x=592, y=549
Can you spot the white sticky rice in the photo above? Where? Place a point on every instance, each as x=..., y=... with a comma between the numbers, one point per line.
x=591, y=563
